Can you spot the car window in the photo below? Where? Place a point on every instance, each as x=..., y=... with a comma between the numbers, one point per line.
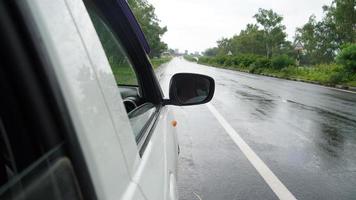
x=120, y=64
x=140, y=112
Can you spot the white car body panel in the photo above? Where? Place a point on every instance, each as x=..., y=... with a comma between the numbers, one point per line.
x=153, y=174
x=97, y=111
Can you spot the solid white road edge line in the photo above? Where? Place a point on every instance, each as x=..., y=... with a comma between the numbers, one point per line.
x=271, y=179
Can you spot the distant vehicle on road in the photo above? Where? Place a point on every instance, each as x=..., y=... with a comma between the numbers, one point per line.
x=82, y=115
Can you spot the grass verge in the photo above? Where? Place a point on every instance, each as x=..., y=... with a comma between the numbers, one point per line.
x=156, y=62
x=329, y=75
x=190, y=58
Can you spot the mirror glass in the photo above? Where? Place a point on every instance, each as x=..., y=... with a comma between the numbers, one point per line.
x=189, y=89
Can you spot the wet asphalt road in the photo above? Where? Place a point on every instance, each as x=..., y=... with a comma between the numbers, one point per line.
x=306, y=135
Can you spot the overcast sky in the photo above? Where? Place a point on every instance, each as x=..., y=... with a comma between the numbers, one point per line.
x=195, y=25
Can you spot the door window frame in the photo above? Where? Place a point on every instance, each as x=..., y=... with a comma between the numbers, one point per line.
x=112, y=14
x=150, y=89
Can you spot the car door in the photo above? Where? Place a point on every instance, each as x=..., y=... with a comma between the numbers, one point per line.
x=152, y=160
x=64, y=32
x=130, y=154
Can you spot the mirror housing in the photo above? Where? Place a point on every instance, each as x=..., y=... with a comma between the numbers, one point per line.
x=187, y=89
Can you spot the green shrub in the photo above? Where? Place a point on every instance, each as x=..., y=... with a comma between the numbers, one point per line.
x=253, y=68
x=212, y=61
x=263, y=62
x=336, y=78
x=347, y=57
x=204, y=60
x=190, y=58
x=281, y=61
x=245, y=60
x=156, y=62
x=248, y=60
x=220, y=60
x=229, y=62
x=237, y=60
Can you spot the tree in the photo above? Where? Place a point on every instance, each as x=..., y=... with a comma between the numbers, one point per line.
x=249, y=41
x=211, y=51
x=319, y=41
x=312, y=36
x=273, y=30
x=343, y=13
x=347, y=57
x=145, y=15
x=322, y=40
x=307, y=36
x=224, y=46
x=253, y=41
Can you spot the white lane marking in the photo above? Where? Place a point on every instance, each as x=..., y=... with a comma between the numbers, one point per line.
x=197, y=196
x=271, y=179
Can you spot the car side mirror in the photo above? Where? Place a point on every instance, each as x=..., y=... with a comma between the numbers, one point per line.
x=190, y=89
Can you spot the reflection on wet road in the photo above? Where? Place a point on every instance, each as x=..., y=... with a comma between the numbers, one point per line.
x=306, y=134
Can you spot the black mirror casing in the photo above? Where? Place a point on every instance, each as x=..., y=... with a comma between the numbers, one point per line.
x=187, y=89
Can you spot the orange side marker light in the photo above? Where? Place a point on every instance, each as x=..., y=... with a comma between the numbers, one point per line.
x=174, y=123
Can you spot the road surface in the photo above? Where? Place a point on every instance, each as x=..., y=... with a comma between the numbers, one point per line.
x=265, y=138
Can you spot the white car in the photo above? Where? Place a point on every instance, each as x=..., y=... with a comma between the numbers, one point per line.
x=82, y=115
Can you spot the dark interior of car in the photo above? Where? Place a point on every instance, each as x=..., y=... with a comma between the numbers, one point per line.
x=131, y=97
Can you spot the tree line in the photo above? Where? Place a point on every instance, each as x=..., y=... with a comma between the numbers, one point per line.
x=322, y=51
x=321, y=40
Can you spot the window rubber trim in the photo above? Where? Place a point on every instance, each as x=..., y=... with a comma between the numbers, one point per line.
x=148, y=131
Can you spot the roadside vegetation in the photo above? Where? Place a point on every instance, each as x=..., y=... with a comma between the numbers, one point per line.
x=190, y=58
x=322, y=52
x=156, y=62
x=144, y=12
x=119, y=63
x=145, y=15
x=125, y=75
x=282, y=66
